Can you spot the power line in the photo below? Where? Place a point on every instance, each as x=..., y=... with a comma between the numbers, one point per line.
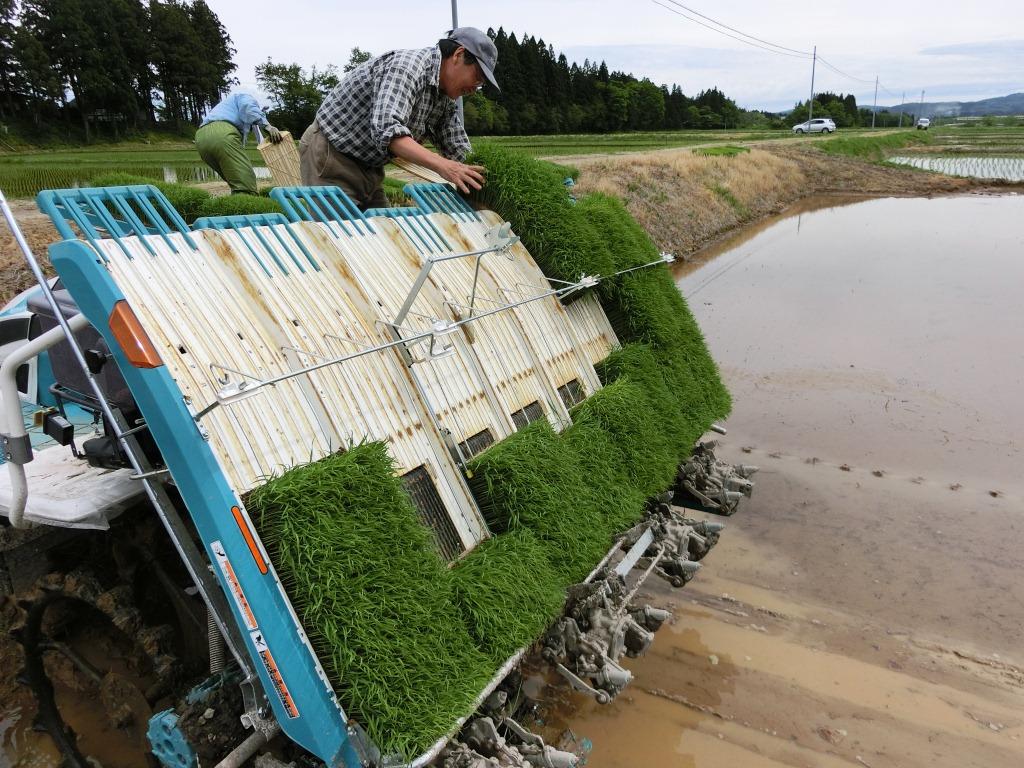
x=844, y=74
x=738, y=32
x=757, y=42
x=740, y=39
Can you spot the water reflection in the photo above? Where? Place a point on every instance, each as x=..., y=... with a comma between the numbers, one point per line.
x=197, y=174
x=896, y=322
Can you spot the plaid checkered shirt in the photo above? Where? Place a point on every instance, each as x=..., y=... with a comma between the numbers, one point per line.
x=395, y=94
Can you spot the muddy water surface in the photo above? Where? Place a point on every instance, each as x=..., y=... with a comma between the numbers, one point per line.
x=865, y=607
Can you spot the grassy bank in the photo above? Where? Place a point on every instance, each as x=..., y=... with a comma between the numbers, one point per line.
x=684, y=200
x=874, y=148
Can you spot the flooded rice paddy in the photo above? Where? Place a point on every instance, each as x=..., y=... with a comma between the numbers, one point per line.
x=1001, y=168
x=864, y=607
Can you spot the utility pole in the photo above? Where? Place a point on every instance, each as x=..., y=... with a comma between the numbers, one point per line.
x=903, y=100
x=921, y=113
x=455, y=25
x=810, y=104
x=874, y=107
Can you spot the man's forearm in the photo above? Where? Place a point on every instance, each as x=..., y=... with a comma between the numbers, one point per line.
x=465, y=177
x=407, y=148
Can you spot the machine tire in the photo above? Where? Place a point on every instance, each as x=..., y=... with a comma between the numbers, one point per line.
x=81, y=594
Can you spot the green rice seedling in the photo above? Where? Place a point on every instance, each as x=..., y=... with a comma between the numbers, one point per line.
x=631, y=417
x=230, y=205
x=530, y=194
x=608, y=483
x=394, y=190
x=508, y=592
x=675, y=394
x=532, y=480
x=373, y=595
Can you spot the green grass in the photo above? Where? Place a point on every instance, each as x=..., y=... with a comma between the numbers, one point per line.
x=874, y=148
x=230, y=205
x=726, y=194
x=587, y=144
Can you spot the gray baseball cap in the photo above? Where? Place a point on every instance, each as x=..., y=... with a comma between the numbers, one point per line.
x=481, y=46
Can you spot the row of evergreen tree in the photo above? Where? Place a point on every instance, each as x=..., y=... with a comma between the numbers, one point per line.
x=124, y=64
x=541, y=92
x=129, y=64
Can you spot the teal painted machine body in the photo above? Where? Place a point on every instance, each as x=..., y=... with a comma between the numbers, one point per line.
x=301, y=698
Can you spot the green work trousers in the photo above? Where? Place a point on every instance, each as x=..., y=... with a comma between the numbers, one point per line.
x=220, y=145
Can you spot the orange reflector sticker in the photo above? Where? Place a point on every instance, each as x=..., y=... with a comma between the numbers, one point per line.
x=250, y=540
x=132, y=337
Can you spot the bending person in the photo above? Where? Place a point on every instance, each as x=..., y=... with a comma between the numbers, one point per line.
x=222, y=135
x=387, y=106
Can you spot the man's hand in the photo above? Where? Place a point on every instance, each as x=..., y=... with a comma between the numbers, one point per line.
x=464, y=177
x=273, y=134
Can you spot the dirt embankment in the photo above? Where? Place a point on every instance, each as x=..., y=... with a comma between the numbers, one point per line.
x=686, y=201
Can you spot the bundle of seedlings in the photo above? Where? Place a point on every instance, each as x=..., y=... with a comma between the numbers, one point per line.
x=643, y=306
x=376, y=600
x=532, y=481
x=646, y=306
x=631, y=419
x=675, y=395
x=600, y=459
x=530, y=195
x=508, y=592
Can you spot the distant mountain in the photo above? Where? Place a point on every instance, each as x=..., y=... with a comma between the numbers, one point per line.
x=1001, y=105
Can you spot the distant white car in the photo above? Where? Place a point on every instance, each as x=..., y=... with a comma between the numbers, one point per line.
x=923, y=123
x=817, y=125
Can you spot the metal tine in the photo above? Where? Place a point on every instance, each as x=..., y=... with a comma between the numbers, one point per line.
x=252, y=250
x=133, y=220
x=147, y=206
x=263, y=241
x=82, y=220
x=295, y=238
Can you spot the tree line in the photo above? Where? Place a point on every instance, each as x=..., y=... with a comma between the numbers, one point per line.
x=111, y=65
x=541, y=92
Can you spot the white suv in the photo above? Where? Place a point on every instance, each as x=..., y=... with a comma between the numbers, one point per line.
x=817, y=125
x=923, y=123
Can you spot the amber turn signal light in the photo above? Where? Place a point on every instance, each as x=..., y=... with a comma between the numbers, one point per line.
x=132, y=337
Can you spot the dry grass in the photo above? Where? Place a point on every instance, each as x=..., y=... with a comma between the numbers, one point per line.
x=684, y=200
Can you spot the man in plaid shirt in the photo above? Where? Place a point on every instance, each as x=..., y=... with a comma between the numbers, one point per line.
x=387, y=106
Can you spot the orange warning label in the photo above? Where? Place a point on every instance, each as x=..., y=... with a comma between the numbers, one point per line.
x=233, y=586
x=275, y=674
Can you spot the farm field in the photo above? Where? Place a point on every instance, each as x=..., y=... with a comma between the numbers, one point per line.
x=23, y=174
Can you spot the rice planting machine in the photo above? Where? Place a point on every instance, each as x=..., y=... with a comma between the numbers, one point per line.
x=167, y=370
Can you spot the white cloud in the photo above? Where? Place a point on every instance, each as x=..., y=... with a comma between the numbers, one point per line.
x=955, y=51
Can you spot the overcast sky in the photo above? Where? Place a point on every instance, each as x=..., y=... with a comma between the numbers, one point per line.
x=955, y=51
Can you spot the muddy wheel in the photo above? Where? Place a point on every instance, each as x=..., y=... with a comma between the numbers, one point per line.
x=93, y=643
x=799, y=130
